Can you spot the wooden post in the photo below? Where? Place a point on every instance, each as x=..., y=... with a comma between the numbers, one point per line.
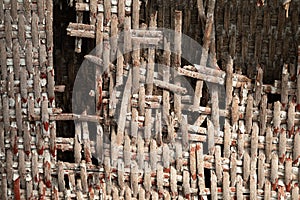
x=177, y=60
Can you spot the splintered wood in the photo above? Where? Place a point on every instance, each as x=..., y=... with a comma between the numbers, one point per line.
x=164, y=125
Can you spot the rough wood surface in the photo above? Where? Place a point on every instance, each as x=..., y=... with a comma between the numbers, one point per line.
x=151, y=136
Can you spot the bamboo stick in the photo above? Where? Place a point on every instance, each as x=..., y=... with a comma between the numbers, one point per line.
x=200, y=76
x=22, y=168
x=284, y=82
x=226, y=190
x=135, y=89
x=291, y=118
x=6, y=113
x=261, y=170
x=47, y=170
x=218, y=164
x=1, y=11
x=2, y=135
x=121, y=11
x=123, y=109
x=268, y=148
x=3, y=60
x=107, y=11
x=177, y=60
x=153, y=154
x=127, y=151
x=239, y=187
x=83, y=177
x=49, y=26
x=215, y=108
x=52, y=142
x=150, y=73
x=184, y=130
x=166, y=156
x=258, y=85
x=27, y=10
x=254, y=142
x=8, y=29
x=229, y=75
x=119, y=73
x=160, y=178
x=276, y=119
x=45, y=116
x=235, y=111
x=296, y=150
x=213, y=188
x=99, y=143
x=148, y=126
x=16, y=59
x=77, y=143
x=288, y=174
x=200, y=167
x=114, y=38
x=127, y=39
x=41, y=10
x=147, y=179
x=18, y=113
x=253, y=185
x=198, y=93
x=61, y=181
x=93, y=11
x=178, y=156
x=298, y=80
x=249, y=113
x=282, y=146
x=227, y=139
x=173, y=182
x=193, y=166
x=23, y=85
x=140, y=152
x=86, y=142
x=34, y=30
x=233, y=169
x=210, y=137
x=78, y=41
x=10, y=84
x=120, y=174
x=274, y=171
x=295, y=192
x=21, y=30
x=246, y=167
x=263, y=114
x=171, y=87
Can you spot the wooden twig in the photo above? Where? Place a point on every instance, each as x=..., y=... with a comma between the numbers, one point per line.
x=284, y=87
x=177, y=60
x=200, y=76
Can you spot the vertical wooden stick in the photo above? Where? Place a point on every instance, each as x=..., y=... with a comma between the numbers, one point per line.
x=177, y=60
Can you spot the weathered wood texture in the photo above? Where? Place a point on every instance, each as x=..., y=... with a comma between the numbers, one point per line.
x=150, y=136
x=28, y=135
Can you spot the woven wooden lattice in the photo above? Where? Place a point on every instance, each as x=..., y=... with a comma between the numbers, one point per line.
x=154, y=149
